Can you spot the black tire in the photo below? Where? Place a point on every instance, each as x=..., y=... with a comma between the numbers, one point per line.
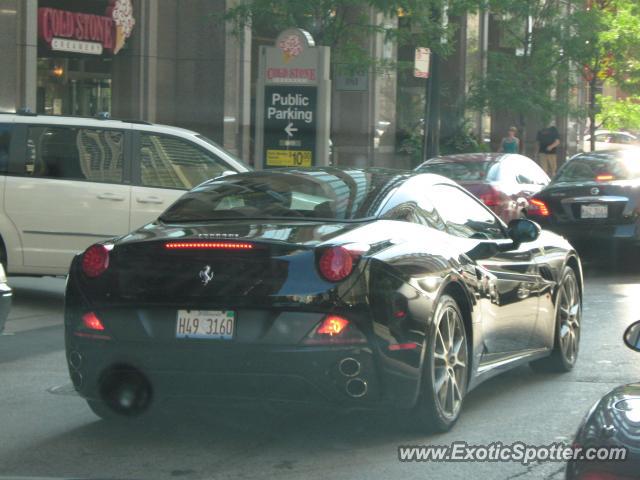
x=568, y=322
x=432, y=412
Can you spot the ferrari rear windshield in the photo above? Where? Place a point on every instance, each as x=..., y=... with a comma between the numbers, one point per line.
x=328, y=194
x=460, y=171
x=589, y=167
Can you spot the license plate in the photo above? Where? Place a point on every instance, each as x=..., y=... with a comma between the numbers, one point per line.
x=594, y=211
x=207, y=324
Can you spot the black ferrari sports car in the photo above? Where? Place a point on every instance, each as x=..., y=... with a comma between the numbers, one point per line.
x=594, y=197
x=364, y=288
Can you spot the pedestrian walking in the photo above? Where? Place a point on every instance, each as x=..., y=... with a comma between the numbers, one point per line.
x=548, y=140
x=510, y=143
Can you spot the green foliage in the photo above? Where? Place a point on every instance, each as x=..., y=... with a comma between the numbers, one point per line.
x=462, y=140
x=522, y=71
x=619, y=114
x=346, y=25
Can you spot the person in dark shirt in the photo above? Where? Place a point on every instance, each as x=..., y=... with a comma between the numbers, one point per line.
x=548, y=141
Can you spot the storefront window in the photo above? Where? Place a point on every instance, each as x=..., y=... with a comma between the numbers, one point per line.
x=70, y=86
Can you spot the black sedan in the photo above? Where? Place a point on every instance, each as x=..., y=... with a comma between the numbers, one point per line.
x=594, y=197
x=361, y=288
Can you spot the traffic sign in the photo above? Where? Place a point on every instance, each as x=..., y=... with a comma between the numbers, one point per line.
x=289, y=126
x=293, y=102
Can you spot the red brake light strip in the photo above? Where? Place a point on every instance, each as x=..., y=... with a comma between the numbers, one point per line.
x=208, y=246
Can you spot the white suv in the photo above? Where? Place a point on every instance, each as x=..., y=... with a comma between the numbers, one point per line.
x=67, y=182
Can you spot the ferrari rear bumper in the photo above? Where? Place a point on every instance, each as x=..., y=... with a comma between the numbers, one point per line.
x=344, y=375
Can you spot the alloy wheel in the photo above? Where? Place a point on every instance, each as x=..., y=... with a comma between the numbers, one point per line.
x=450, y=362
x=569, y=318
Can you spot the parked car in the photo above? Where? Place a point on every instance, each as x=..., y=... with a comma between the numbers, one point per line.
x=5, y=299
x=594, y=196
x=607, y=140
x=612, y=422
x=68, y=182
x=504, y=182
x=363, y=288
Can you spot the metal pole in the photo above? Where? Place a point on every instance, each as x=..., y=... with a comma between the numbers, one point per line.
x=432, y=114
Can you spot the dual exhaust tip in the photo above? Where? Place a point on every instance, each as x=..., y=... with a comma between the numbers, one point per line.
x=355, y=387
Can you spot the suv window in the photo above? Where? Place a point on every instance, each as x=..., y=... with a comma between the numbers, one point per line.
x=5, y=144
x=464, y=216
x=75, y=153
x=171, y=162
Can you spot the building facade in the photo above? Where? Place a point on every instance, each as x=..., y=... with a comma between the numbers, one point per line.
x=162, y=61
x=176, y=62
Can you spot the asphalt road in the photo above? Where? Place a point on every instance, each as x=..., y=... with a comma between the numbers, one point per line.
x=47, y=431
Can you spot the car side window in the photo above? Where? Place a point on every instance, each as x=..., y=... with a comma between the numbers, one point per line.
x=74, y=153
x=463, y=215
x=171, y=162
x=5, y=144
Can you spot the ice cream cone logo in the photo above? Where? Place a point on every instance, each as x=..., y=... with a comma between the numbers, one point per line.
x=291, y=47
x=122, y=14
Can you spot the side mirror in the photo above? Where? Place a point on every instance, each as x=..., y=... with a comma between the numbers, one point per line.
x=632, y=336
x=522, y=230
x=226, y=173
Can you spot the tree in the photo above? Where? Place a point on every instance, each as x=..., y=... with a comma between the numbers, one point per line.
x=608, y=48
x=526, y=63
x=621, y=114
x=346, y=25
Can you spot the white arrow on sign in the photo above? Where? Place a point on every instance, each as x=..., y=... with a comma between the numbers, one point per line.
x=290, y=129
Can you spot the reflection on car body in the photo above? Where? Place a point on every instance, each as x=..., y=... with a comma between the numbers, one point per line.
x=503, y=182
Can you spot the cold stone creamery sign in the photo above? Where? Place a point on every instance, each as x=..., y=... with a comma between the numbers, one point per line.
x=77, y=32
x=293, y=102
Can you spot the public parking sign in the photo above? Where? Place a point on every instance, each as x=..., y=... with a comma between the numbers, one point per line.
x=289, y=126
x=293, y=103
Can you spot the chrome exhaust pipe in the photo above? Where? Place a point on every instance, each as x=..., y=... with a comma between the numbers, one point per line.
x=76, y=378
x=75, y=359
x=126, y=391
x=349, y=367
x=356, y=388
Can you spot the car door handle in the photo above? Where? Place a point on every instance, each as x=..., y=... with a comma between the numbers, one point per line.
x=156, y=200
x=111, y=196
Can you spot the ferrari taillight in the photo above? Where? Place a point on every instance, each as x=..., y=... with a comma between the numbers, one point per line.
x=91, y=321
x=332, y=325
x=95, y=260
x=334, y=329
x=336, y=263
